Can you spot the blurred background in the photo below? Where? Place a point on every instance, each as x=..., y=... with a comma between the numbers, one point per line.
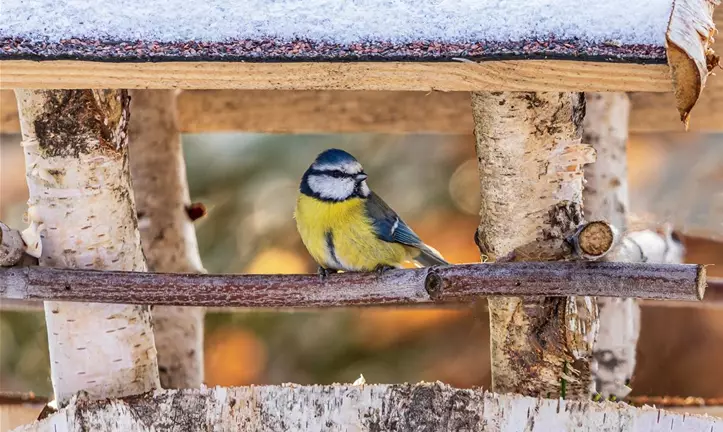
x=249, y=184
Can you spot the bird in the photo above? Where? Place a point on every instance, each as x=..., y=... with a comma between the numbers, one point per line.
x=346, y=227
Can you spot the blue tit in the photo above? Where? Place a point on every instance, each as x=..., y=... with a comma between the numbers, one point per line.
x=345, y=226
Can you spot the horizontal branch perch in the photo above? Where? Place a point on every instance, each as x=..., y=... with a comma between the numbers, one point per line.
x=382, y=407
x=447, y=284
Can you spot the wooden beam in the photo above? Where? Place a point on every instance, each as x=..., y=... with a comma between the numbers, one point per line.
x=380, y=407
x=428, y=111
x=511, y=75
x=445, y=284
x=328, y=111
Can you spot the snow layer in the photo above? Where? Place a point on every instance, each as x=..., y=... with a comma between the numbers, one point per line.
x=338, y=21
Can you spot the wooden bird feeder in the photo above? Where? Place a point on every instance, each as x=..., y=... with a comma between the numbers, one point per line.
x=541, y=87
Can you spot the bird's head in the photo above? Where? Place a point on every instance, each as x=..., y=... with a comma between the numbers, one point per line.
x=335, y=176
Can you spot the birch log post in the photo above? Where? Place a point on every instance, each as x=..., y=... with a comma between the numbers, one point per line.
x=82, y=215
x=168, y=237
x=382, y=408
x=606, y=198
x=530, y=164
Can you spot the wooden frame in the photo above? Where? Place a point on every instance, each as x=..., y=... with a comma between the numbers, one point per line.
x=329, y=111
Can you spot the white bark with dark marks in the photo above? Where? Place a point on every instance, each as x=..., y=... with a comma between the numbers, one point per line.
x=530, y=163
x=606, y=198
x=82, y=214
x=399, y=408
x=167, y=233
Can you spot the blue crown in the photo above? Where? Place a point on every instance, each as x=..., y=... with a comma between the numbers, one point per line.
x=334, y=157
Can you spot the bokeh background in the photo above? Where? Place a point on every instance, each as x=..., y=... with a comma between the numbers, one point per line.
x=249, y=184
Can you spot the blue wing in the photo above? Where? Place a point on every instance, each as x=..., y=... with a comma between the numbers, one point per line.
x=388, y=225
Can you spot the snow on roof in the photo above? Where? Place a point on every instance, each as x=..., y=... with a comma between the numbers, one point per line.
x=516, y=26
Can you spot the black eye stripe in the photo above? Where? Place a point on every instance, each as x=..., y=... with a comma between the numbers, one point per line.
x=332, y=173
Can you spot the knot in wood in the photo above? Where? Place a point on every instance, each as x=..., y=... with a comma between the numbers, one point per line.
x=433, y=284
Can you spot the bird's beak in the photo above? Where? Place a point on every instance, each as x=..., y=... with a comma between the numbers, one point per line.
x=361, y=177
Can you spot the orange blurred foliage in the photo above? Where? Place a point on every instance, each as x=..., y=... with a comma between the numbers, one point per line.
x=381, y=327
x=234, y=357
x=451, y=234
x=277, y=261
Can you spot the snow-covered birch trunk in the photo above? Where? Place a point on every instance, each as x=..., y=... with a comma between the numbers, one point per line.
x=81, y=215
x=606, y=198
x=530, y=164
x=167, y=233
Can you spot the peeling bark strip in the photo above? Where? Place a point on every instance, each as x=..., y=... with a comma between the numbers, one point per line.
x=382, y=407
x=690, y=56
x=448, y=284
x=12, y=246
x=530, y=163
x=167, y=234
x=81, y=215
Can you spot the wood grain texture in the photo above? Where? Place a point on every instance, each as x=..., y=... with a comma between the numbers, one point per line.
x=329, y=111
x=512, y=75
x=343, y=407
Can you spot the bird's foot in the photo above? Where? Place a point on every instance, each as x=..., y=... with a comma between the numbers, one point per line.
x=381, y=269
x=324, y=272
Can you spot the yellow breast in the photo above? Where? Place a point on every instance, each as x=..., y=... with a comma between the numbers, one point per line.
x=340, y=236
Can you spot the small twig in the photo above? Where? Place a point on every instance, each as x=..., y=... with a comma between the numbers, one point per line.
x=447, y=284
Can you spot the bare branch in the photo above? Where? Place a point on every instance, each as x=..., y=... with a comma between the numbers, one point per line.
x=448, y=284
x=381, y=407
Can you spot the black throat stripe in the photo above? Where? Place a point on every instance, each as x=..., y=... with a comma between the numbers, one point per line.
x=332, y=249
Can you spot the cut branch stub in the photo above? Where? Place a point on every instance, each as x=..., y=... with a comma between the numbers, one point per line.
x=691, y=59
x=594, y=240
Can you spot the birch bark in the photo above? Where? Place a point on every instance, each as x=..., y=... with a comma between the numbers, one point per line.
x=81, y=215
x=167, y=233
x=530, y=164
x=606, y=198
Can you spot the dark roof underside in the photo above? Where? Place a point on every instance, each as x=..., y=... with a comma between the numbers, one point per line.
x=298, y=51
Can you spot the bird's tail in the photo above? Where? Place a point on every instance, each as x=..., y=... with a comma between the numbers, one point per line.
x=429, y=256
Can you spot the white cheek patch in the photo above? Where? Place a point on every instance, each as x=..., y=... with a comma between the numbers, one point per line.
x=331, y=187
x=364, y=189
x=346, y=167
